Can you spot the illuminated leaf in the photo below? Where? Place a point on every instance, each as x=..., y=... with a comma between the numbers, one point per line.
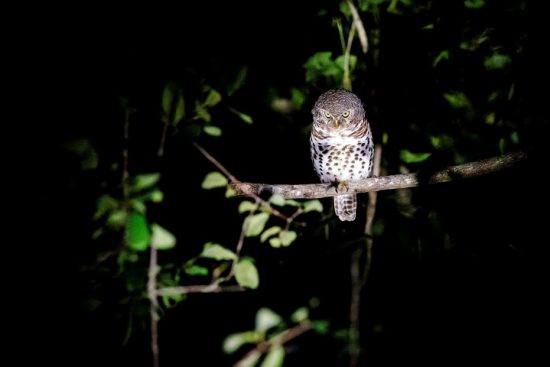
x=217, y=252
x=255, y=224
x=270, y=232
x=287, y=237
x=161, y=238
x=410, y=157
x=214, y=180
x=266, y=319
x=246, y=274
x=313, y=205
x=212, y=130
x=137, y=232
x=274, y=357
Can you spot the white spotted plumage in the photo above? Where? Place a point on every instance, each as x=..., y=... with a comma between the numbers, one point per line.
x=341, y=145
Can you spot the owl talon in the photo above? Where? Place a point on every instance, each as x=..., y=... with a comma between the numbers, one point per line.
x=342, y=187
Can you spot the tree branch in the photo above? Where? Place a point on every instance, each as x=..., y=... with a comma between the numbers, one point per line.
x=279, y=339
x=310, y=191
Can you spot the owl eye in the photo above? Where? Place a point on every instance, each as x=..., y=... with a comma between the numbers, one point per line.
x=345, y=114
x=327, y=115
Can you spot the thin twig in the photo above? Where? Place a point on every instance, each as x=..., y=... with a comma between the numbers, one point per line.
x=358, y=23
x=346, y=80
x=153, y=308
x=371, y=211
x=358, y=280
x=279, y=339
x=188, y=289
x=311, y=191
x=235, y=181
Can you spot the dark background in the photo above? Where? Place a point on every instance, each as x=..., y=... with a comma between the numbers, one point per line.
x=476, y=298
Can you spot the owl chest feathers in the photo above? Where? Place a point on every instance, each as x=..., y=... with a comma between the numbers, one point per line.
x=342, y=158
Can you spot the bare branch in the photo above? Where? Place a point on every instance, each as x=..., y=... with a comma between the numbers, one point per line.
x=361, y=32
x=358, y=281
x=322, y=190
x=210, y=288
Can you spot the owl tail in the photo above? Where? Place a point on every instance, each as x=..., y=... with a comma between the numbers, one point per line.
x=345, y=207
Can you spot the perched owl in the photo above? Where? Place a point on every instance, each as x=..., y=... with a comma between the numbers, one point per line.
x=341, y=145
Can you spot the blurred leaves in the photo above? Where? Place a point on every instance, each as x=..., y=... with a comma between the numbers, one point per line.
x=137, y=232
x=86, y=153
x=217, y=252
x=234, y=341
x=497, y=61
x=238, y=82
x=274, y=357
x=266, y=319
x=410, y=157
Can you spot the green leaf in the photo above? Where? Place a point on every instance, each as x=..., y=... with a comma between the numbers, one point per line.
x=443, y=55
x=201, y=112
x=247, y=206
x=105, y=204
x=313, y=205
x=240, y=78
x=196, y=270
x=214, y=180
x=156, y=196
x=497, y=61
x=275, y=242
x=274, y=357
x=167, y=96
x=234, y=341
x=145, y=181
x=298, y=98
x=85, y=151
x=255, y=224
x=410, y=157
x=514, y=137
x=161, y=238
x=137, y=232
x=180, y=110
x=229, y=192
x=270, y=232
x=474, y=4
x=243, y=116
x=217, y=252
x=212, y=130
x=287, y=237
x=117, y=218
x=246, y=274
x=138, y=206
x=300, y=315
x=441, y=141
x=266, y=319
x=321, y=327
x=457, y=99
x=213, y=98
x=277, y=199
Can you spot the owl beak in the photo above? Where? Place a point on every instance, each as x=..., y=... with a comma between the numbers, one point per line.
x=336, y=123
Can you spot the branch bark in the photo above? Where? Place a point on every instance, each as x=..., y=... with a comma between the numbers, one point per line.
x=393, y=182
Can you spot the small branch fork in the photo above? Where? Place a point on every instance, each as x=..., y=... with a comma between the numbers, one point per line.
x=216, y=285
x=393, y=182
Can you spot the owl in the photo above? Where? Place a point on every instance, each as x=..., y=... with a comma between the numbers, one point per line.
x=341, y=145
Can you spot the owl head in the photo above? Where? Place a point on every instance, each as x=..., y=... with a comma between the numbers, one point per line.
x=338, y=110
